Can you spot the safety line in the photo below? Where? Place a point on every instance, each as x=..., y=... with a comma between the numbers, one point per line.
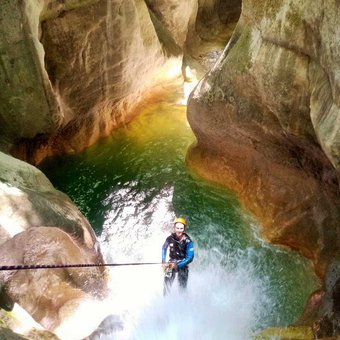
x=79, y=265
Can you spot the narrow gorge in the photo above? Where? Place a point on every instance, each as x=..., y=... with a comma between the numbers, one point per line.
x=262, y=81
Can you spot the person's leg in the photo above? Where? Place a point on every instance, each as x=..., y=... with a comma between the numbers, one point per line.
x=168, y=281
x=183, y=274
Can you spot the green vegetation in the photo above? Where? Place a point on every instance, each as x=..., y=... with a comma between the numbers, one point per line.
x=240, y=55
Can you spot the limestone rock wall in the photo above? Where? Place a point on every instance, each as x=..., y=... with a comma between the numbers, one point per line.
x=100, y=59
x=72, y=71
x=267, y=123
x=175, y=17
x=28, y=106
x=209, y=33
x=198, y=30
x=40, y=225
x=266, y=115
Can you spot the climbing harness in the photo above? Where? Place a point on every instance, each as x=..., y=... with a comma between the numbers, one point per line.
x=78, y=265
x=168, y=272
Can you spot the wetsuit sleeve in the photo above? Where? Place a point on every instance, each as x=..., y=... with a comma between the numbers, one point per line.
x=189, y=257
x=164, y=249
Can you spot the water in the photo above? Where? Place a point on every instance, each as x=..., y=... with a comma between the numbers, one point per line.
x=131, y=186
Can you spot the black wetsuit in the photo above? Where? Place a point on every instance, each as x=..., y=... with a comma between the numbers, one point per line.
x=181, y=252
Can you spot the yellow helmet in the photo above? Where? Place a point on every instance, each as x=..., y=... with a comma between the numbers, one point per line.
x=180, y=220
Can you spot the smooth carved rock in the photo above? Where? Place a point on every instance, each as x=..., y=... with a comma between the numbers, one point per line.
x=28, y=199
x=44, y=293
x=266, y=119
x=199, y=30
x=40, y=225
x=73, y=70
x=28, y=106
x=208, y=33
x=328, y=323
x=176, y=17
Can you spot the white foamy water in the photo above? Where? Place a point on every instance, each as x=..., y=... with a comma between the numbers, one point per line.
x=218, y=303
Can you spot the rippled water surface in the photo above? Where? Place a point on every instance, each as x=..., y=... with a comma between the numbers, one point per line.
x=131, y=186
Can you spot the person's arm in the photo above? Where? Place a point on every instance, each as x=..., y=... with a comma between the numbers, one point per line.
x=189, y=257
x=164, y=249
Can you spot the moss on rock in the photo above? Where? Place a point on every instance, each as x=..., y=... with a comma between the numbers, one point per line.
x=292, y=333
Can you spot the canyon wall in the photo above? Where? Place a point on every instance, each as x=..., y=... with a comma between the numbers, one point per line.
x=72, y=71
x=265, y=114
x=267, y=122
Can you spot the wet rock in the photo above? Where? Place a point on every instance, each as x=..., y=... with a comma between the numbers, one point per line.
x=13, y=328
x=328, y=323
x=312, y=309
x=28, y=199
x=40, y=225
x=110, y=324
x=70, y=71
x=7, y=334
x=262, y=117
x=41, y=335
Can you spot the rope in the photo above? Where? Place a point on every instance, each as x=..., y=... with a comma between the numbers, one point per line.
x=79, y=265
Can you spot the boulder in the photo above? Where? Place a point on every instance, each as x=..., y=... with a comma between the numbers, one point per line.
x=40, y=225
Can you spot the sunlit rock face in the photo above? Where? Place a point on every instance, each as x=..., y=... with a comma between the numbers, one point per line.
x=198, y=30
x=28, y=106
x=172, y=20
x=267, y=122
x=209, y=33
x=40, y=225
x=73, y=71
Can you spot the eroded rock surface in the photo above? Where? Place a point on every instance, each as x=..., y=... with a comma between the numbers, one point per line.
x=198, y=30
x=266, y=116
x=267, y=122
x=209, y=33
x=72, y=71
x=40, y=225
x=328, y=316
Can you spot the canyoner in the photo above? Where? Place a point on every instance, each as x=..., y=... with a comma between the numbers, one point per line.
x=181, y=253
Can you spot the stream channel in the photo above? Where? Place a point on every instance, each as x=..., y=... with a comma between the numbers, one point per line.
x=131, y=186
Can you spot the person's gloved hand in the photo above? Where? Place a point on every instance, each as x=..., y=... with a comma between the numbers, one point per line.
x=173, y=265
